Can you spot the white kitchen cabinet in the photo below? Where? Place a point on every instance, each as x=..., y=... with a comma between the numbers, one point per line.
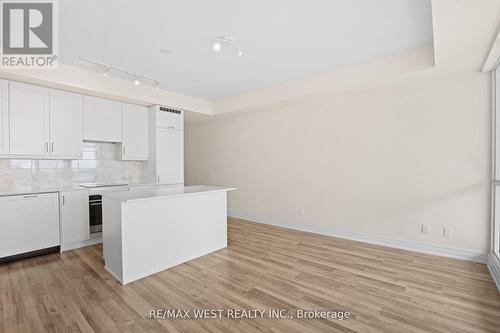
x=102, y=119
x=165, y=165
x=135, y=138
x=29, y=119
x=169, y=118
x=4, y=117
x=74, y=217
x=45, y=122
x=66, y=128
x=28, y=223
x=170, y=156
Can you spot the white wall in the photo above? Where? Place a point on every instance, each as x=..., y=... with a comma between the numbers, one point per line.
x=99, y=164
x=381, y=161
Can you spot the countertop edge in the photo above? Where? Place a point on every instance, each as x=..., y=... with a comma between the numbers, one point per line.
x=12, y=193
x=175, y=195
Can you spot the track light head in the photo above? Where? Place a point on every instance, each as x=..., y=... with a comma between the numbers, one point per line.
x=227, y=41
x=106, y=71
x=136, y=81
x=217, y=46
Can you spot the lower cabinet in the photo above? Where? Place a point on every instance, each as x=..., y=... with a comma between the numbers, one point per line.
x=28, y=223
x=74, y=217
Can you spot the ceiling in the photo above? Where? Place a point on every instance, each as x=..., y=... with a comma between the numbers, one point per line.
x=282, y=40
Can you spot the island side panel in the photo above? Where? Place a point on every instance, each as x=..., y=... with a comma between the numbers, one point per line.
x=112, y=236
x=163, y=232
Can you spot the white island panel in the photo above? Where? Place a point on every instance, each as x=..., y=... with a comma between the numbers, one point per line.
x=146, y=235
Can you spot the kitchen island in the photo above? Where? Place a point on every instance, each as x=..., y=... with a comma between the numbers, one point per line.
x=146, y=231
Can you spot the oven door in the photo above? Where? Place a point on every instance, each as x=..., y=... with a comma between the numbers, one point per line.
x=95, y=213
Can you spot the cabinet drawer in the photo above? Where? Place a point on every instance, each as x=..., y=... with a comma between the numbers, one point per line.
x=169, y=119
x=28, y=223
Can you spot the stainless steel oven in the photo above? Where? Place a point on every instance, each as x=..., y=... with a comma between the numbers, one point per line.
x=95, y=202
x=95, y=213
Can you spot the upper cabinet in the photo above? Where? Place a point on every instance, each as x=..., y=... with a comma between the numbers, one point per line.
x=169, y=119
x=166, y=159
x=102, y=120
x=44, y=122
x=39, y=122
x=29, y=119
x=66, y=130
x=135, y=140
x=4, y=117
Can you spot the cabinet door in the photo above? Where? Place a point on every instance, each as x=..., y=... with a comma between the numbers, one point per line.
x=29, y=119
x=66, y=117
x=170, y=119
x=102, y=120
x=75, y=216
x=4, y=117
x=170, y=156
x=135, y=140
x=28, y=223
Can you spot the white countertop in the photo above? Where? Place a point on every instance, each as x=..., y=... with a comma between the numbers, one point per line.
x=6, y=191
x=20, y=190
x=157, y=193
x=25, y=190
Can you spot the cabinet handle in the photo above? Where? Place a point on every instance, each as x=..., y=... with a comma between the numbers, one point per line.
x=123, y=150
x=64, y=201
x=31, y=196
x=47, y=147
x=52, y=147
x=158, y=179
x=171, y=127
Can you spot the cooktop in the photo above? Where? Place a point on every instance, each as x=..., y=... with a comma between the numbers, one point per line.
x=94, y=185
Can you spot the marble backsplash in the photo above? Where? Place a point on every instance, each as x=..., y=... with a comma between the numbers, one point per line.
x=99, y=163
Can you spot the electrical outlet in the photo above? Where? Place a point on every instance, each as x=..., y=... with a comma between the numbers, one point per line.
x=447, y=232
x=426, y=229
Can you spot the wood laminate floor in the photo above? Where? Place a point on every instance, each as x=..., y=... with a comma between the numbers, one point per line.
x=264, y=267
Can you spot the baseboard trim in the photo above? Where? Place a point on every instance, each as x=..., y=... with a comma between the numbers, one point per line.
x=462, y=254
x=494, y=267
x=79, y=244
x=114, y=275
x=26, y=255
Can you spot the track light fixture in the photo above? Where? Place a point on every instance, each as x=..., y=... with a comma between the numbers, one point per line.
x=136, y=76
x=228, y=41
